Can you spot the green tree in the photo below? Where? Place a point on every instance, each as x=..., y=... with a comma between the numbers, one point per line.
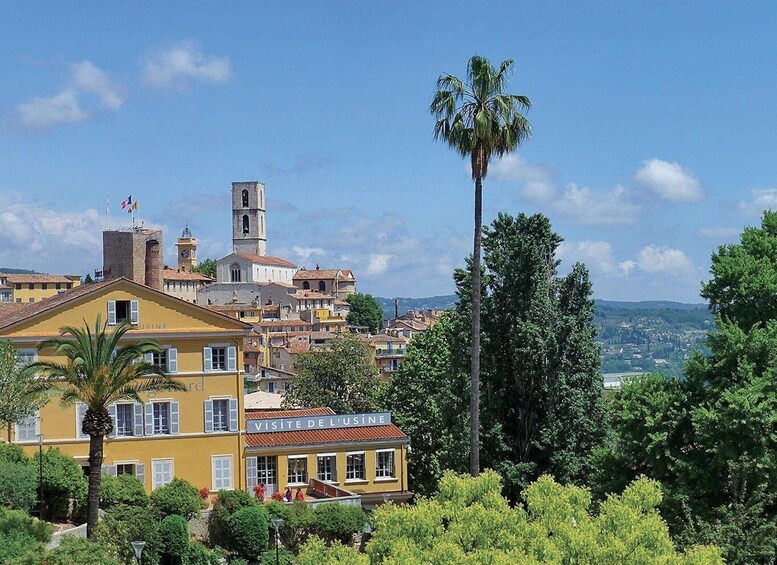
x=98, y=372
x=343, y=378
x=480, y=121
x=63, y=481
x=709, y=438
x=428, y=398
x=21, y=394
x=206, y=267
x=365, y=312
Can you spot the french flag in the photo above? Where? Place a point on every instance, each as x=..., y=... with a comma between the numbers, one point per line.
x=127, y=202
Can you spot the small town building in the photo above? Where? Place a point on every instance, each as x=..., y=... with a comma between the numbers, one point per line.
x=26, y=288
x=339, y=283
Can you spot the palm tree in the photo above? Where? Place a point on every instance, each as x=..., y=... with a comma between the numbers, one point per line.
x=478, y=119
x=98, y=373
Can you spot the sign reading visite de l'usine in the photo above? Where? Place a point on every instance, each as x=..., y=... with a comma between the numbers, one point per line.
x=318, y=422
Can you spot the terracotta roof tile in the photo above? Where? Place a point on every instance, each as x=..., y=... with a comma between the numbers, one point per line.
x=283, y=323
x=337, y=435
x=267, y=260
x=323, y=411
x=170, y=274
x=324, y=274
x=311, y=295
x=14, y=278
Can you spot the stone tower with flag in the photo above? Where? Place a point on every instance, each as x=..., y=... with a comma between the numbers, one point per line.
x=249, y=218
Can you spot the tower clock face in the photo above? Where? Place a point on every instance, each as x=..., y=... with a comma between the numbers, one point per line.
x=185, y=253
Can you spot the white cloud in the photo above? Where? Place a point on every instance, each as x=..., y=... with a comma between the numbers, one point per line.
x=46, y=113
x=178, y=64
x=306, y=252
x=379, y=264
x=35, y=237
x=655, y=259
x=669, y=181
x=536, y=181
x=42, y=113
x=597, y=255
x=765, y=199
x=88, y=78
x=597, y=207
x=719, y=233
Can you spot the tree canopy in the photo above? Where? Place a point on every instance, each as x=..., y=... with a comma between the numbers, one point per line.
x=343, y=377
x=365, y=312
x=206, y=267
x=21, y=394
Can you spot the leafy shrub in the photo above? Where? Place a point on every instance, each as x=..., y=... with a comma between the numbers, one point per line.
x=19, y=548
x=297, y=519
x=63, y=480
x=79, y=550
x=12, y=453
x=247, y=532
x=124, y=489
x=316, y=552
x=174, y=532
x=198, y=554
x=18, y=485
x=230, y=501
x=123, y=524
x=177, y=497
x=18, y=521
x=338, y=521
x=285, y=557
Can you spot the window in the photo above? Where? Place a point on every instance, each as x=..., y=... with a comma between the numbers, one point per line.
x=298, y=469
x=31, y=300
x=122, y=311
x=354, y=466
x=222, y=472
x=245, y=199
x=27, y=429
x=18, y=286
x=80, y=414
x=221, y=415
x=267, y=470
x=27, y=356
x=271, y=386
x=125, y=420
x=306, y=285
x=18, y=300
x=384, y=467
x=326, y=467
x=220, y=358
x=44, y=286
x=167, y=359
x=161, y=418
x=234, y=273
x=245, y=224
x=59, y=286
x=162, y=472
x=125, y=469
x=31, y=286
x=321, y=286
x=286, y=386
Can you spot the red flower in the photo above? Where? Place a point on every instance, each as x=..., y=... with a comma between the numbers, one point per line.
x=204, y=492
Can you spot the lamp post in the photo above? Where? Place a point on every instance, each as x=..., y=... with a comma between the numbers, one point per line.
x=138, y=547
x=40, y=475
x=276, y=522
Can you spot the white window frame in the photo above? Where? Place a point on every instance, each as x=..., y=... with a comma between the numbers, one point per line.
x=333, y=470
x=27, y=352
x=154, y=483
x=134, y=312
x=288, y=477
x=363, y=478
x=230, y=358
x=393, y=464
x=133, y=428
x=32, y=439
x=174, y=417
x=220, y=484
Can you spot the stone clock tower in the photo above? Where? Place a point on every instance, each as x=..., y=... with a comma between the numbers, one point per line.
x=187, y=251
x=249, y=227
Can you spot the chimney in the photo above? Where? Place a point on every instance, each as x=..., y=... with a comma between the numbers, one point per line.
x=153, y=266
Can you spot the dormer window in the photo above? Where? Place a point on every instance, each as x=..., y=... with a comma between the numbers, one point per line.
x=120, y=311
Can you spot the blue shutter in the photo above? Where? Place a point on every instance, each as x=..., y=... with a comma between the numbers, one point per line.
x=149, y=409
x=80, y=414
x=208, y=416
x=231, y=358
x=174, y=418
x=207, y=360
x=140, y=473
x=112, y=413
x=137, y=412
x=108, y=470
x=251, y=473
x=111, y=312
x=133, y=311
x=172, y=360
x=233, y=423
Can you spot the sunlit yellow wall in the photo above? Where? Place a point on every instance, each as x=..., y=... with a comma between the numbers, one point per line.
x=172, y=323
x=38, y=293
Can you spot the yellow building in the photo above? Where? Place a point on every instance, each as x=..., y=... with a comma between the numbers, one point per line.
x=325, y=454
x=193, y=434
x=27, y=288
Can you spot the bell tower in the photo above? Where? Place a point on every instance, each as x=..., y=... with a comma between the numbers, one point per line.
x=187, y=250
x=248, y=218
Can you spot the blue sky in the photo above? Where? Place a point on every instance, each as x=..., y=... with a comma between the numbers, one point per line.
x=654, y=132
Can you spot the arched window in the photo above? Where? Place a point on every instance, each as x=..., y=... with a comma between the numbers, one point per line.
x=321, y=286
x=306, y=285
x=261, y=223
x=245, y=224
x=234, y=272
x=245, y=199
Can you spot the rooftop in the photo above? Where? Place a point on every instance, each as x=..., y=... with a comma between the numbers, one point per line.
x=340, y=274
x=267, y=260
x=170, y=274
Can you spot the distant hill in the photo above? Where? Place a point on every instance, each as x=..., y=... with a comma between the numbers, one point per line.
x=405, y=304
x=10, y=271
x=650, y=304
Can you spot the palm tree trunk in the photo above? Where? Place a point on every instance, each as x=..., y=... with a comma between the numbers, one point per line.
x=95, y=468
x=474, y=400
